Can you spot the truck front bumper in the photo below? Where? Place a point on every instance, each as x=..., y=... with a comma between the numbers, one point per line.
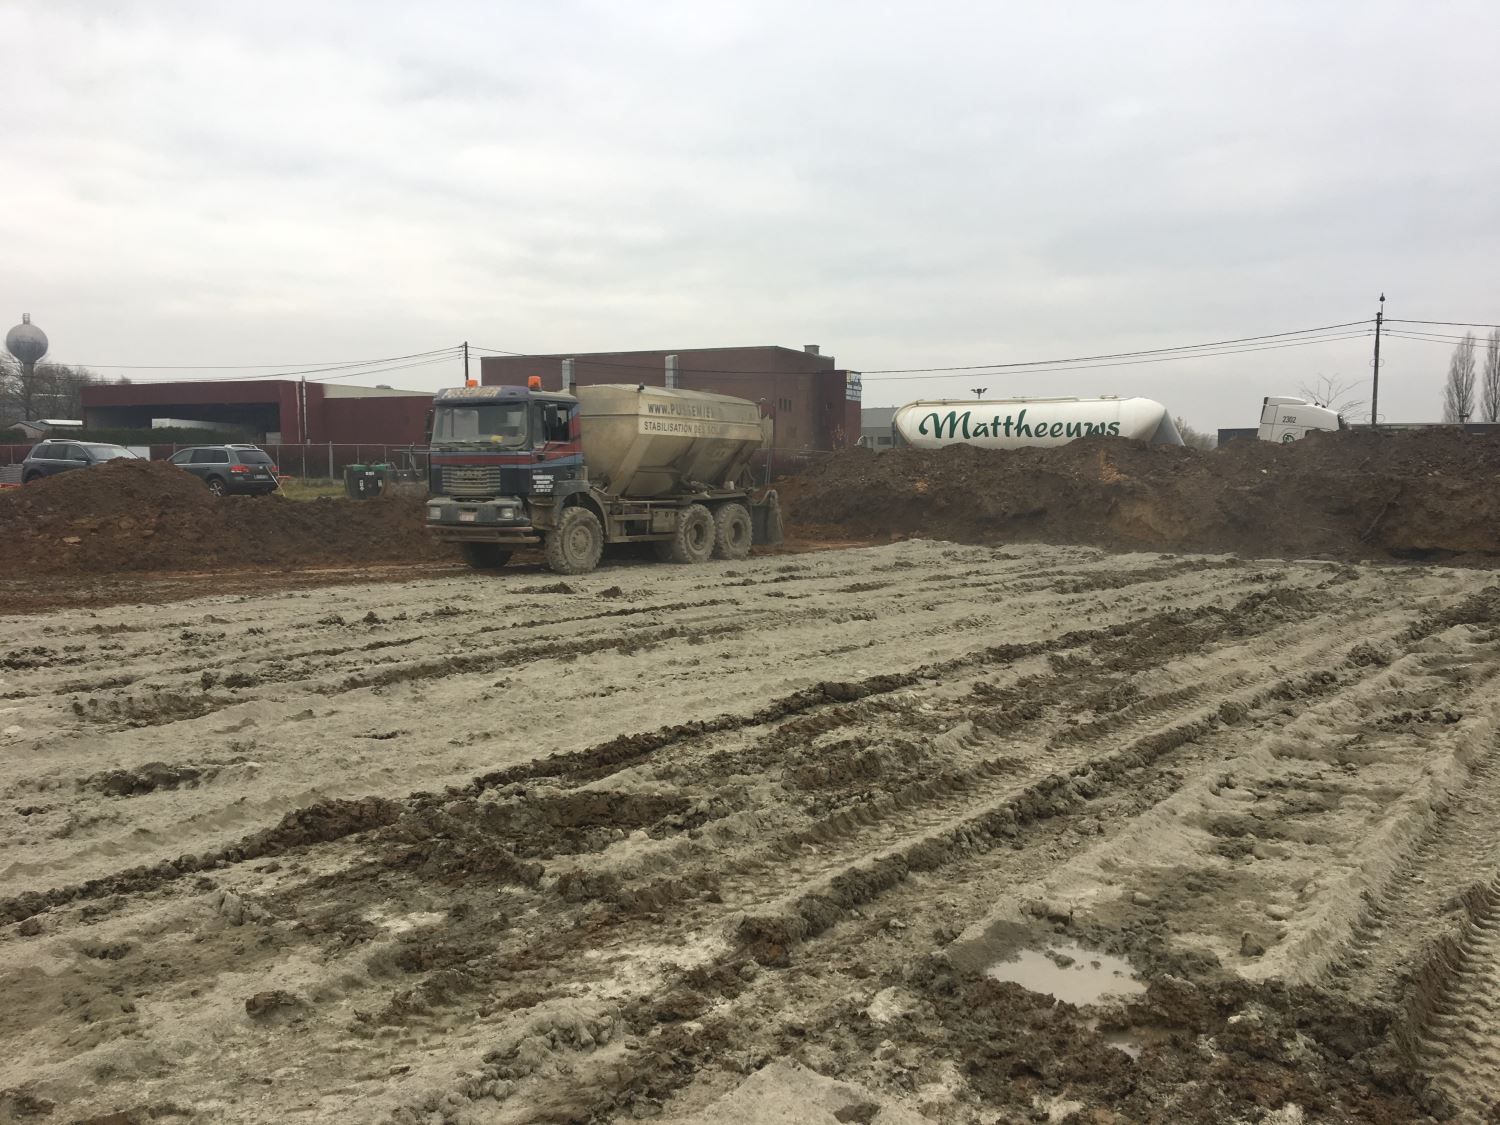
x=502, y=520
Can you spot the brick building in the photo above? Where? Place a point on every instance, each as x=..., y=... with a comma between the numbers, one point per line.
x=273, y=410
x=815, y=404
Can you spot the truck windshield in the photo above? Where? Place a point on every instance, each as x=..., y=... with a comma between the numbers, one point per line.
x=498, y=423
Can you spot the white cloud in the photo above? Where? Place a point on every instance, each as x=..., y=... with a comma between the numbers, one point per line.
x=906, y=184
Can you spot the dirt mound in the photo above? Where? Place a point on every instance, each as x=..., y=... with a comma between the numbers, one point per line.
x=148, y=515
x=1403, y=494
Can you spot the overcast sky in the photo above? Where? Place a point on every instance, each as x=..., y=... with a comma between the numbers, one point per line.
x=905, y=184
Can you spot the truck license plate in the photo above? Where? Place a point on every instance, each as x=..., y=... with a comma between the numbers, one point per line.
x=466, y=517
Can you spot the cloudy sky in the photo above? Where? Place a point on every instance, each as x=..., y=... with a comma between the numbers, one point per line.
x=906, y=184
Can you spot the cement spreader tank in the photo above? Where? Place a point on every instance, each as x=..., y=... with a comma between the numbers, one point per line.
x=644, y=442
x=1020, y=423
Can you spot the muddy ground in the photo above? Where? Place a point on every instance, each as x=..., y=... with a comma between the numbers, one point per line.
x=1357, y=494
x=760, y=842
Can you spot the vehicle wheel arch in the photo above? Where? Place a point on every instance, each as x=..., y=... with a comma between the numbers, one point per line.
x=581, y=499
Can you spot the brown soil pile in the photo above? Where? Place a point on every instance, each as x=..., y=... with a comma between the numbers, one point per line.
x=148, y=515
x=1424, y=494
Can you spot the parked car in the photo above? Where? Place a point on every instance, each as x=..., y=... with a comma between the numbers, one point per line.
x=229, y=468
x=51, y=457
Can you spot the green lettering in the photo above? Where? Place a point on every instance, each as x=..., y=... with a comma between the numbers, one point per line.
x=981, y=429
x=1075, y=429
x=1114, y=429
x=1022, y=429
x=1056, y=429
x=944, y=425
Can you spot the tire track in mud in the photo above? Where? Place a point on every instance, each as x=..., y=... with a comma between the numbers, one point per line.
x=194, y=696
x=188, y=707
x=1138, y=739
x=345, y=818
x=1459, y=844
x=1454, y=1028
x=769, y=938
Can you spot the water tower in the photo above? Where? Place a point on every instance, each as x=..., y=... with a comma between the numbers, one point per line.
x=28, y=344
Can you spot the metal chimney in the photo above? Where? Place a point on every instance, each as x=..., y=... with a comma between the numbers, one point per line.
x=569, y=384
x=671, y=372
x=810, y=349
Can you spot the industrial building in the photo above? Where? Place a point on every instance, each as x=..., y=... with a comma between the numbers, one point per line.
x=875, y=427
x=814, y=403
x=273, y=411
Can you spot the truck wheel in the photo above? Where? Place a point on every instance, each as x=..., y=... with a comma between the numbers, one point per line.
x=732, y=532
x=484, y=556
x=693, y=542
x=32, y=478
x=575, y=547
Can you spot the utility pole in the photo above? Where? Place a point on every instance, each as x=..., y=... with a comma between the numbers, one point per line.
x=466, y=363
x=1375, y=378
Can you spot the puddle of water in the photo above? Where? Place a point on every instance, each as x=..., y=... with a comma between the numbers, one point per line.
x=1088, y=979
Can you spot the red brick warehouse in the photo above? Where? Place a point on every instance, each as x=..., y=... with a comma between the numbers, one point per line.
x=815, y=403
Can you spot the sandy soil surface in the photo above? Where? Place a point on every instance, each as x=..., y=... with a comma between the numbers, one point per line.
x=763, y=841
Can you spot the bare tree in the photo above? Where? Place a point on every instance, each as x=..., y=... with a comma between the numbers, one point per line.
x=1334, y=393
x=1194, y=438
x=63, y=388
x=50, y=390
x=1489, y=380
x=1458, y=393
x=10, y=392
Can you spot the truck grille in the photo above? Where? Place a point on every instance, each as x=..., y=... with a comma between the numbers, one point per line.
x=471, y=480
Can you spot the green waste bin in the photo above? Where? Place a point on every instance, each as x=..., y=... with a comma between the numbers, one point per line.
x=363, y=482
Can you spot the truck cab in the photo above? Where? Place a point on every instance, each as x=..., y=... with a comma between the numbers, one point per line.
x=1284, y=419
x=494, y=447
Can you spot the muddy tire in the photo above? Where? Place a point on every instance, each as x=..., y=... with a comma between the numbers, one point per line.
x=484, y=556
x=575, y=547
x=693, y=541
x=733, y=532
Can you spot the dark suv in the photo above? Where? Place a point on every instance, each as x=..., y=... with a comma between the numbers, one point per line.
x=229, y=468
x=49, y=457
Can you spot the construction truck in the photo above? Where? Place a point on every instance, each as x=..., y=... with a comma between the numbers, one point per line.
x=515, y=467
x=1284, y=419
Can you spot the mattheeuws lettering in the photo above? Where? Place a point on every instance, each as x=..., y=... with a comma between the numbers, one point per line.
x=956, y=425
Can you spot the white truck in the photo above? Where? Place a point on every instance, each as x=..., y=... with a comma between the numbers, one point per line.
x=1284, y=419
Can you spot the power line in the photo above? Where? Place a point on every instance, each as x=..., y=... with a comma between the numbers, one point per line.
x=310, y=365
x=1446, y=323
x=448, y=358
x=1446, y=343
x=1118, y=355
x=353, y=368
x=1150, y=359
x=1439, y=337
x=879, y=373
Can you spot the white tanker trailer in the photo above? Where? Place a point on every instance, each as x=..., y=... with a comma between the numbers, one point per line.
x=1022, y=423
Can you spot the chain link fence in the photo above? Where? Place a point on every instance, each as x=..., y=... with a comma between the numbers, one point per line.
x=313, y=461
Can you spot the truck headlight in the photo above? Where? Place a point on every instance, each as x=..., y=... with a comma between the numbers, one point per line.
x=434, y=513
x=507, y=513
